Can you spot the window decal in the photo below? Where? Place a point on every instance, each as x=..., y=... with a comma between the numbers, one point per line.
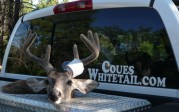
x=123, y=74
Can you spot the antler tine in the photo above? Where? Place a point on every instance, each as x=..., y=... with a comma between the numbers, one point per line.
x=92, y=43
x=75, y=51
x=42, y=62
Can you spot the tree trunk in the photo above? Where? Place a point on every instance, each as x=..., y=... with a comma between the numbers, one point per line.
x=16, y=11
x=10, y=16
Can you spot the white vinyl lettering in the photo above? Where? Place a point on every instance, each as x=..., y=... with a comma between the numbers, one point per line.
x=93, y=73
x=123, y=74
x=105, y=66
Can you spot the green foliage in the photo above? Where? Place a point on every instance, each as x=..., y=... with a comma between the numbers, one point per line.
x=147, y=47
x=107, y=47
x=46, y=3
x=28, y=6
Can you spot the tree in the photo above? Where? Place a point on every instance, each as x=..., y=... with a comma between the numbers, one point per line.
x=11, y=11
x=46, y=3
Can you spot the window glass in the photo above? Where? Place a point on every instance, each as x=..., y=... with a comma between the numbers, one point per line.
x=135, y=48
x=19, y=64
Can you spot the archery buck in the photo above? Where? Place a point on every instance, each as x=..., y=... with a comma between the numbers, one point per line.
x=59, y=85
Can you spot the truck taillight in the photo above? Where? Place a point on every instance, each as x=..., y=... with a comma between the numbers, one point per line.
x=73, y=6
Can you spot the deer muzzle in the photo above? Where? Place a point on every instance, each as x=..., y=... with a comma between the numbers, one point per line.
x=55, y=95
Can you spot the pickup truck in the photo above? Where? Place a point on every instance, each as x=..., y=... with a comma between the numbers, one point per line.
x=138, y=38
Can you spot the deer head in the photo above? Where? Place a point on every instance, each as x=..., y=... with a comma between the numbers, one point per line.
x=60, y=85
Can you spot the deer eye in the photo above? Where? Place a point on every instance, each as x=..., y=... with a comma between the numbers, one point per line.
x=69, y=82
x=46, y=82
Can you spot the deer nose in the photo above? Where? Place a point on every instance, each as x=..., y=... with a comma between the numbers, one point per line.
x=54, y=95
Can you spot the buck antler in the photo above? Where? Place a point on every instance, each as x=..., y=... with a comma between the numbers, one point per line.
x=92, y=43
x=59, y=85
x=75, y=67
x=42, y=62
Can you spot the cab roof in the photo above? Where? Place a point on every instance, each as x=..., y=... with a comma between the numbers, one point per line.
x=95, y=4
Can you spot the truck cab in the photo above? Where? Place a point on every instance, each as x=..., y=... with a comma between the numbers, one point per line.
x=138, y=38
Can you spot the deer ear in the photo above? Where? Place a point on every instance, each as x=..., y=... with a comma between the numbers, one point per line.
x=35, y=84
x=84, y=85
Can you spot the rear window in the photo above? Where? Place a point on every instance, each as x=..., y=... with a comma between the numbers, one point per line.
x=135, y=48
